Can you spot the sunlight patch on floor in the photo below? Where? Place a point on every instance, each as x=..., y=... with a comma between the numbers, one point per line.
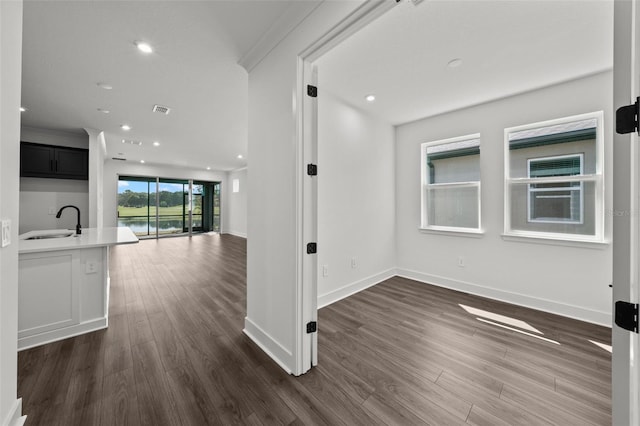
x=607, y=348
x=517, y=331
x=500, y=318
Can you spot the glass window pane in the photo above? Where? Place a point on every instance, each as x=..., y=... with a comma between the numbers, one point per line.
x=453, y=206
x=569, y=209
x=133, y=205
x=454, y=162
x=171, y=212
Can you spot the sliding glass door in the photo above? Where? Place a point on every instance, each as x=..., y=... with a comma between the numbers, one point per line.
x=173, y=194
x=161, y=207
x=137, y=204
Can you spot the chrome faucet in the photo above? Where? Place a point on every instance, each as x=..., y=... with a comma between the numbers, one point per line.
x=78, y=227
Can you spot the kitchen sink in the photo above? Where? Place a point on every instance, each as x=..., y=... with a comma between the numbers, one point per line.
x=54, y=235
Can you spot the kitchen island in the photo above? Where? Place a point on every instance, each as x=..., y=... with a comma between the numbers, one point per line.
x=63, y=280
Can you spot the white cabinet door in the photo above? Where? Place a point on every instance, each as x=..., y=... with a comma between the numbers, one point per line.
x=48, y=292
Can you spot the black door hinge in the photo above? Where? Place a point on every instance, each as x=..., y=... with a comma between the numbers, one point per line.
x=312, y=91
x=312, y=248
x=312, y=170
x=627, y=118
x=312, y=327
x=627, y=315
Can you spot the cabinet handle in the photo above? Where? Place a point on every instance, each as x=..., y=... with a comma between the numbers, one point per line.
x=56, y=169
x=51, y=165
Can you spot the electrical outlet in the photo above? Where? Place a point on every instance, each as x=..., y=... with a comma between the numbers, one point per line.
x=325, y=270
x=461, y=261
x=91, y=267
x=354, y=263
x=52, y=211
x=6, y=232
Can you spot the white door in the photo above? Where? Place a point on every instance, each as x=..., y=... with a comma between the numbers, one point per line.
x=309, y=220
x=626, y=217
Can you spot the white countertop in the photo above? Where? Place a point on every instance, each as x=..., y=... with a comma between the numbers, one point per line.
x=90, y=237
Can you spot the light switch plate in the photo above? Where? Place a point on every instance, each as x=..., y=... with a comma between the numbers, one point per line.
x=6, y=232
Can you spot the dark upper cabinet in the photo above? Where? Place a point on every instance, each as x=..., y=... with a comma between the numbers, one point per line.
x=48, y=161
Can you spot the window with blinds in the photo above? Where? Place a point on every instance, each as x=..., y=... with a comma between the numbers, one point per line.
x=555, y=202
x=554, y=179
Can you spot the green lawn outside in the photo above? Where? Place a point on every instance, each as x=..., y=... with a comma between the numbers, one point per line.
x=163, y=211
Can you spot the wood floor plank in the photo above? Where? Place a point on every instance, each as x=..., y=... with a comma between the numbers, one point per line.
x=120, y=402
x=400, y=352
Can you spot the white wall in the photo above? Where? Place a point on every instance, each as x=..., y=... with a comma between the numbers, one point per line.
x=356, y=199
x=272, y=204
x=54, y=137
x=236, y=206
x=41, y=198
x=10, y=83
x=114, y=168
x=97, y=154
x=568, y=280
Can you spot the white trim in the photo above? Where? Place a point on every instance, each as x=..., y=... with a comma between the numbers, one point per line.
x=288, y=21
x=556, y=240
x=359, y=18
x=355, y=287
x=570, y=311
x=236, y=234
x=458, y=232
x=62, y=333
x=15, y=417
x=268, y=344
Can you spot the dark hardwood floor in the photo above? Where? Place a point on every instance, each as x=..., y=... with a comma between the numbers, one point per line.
x=398, y=353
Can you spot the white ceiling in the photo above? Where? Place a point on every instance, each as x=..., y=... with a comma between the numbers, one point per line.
x=70, y=46
x=507, y=47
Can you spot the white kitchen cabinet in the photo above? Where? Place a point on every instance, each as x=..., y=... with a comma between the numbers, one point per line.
x=64, y=285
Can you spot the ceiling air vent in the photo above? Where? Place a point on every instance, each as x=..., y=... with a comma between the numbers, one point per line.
x=161, y=109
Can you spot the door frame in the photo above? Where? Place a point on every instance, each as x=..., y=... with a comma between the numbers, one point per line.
x=625, y=373
x=306, y=344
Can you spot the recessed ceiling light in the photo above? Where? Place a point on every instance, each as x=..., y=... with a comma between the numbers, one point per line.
x=142, y=161
x=240, y=156
x=156, y=143
x=454, y=63
x=125, y=127
x=105, y=86
x=121, y=153
x=370, y=98
x=144, y=47
x=208, y=168
x=104, y=111
x=22, y=109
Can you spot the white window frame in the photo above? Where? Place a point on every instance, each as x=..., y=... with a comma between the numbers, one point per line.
x=426, y=184
x=573, y=189
x=597, y=178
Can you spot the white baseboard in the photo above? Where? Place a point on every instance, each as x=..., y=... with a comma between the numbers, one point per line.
x=349, y=289
x=15, y=417
x=61, y=334
x=236, y=233
x=576, y=312
x=269, y=345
